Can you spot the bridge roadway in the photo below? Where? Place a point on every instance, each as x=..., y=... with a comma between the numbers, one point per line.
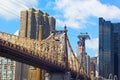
x=49, y=54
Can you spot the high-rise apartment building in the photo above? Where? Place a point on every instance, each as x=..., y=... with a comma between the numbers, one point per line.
x=109, y=48
x=7, y=69
x=33, y=20
x=35, y=25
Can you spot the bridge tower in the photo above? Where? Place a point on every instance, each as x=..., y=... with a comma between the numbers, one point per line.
x=61, y=75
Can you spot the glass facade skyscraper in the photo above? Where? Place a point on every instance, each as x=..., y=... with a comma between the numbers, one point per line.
x=109, y=48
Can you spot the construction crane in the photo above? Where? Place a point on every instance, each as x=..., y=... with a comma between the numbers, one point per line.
x=81, y=48
x=82, y=37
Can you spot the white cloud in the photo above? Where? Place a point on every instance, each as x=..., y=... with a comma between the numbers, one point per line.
x=77, y=12
x=16, y=33
x=92, y=44
x=10, y=9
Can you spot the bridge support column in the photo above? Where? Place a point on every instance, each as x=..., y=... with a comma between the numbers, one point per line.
x=58, y=76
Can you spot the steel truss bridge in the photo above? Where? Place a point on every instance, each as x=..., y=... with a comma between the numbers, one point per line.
x=53, y=54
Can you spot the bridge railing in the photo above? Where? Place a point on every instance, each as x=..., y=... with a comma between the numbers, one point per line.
x=49, y=49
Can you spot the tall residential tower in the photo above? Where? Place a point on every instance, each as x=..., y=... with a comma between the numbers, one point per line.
x=35, y=25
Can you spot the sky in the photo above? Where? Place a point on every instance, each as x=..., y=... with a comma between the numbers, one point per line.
x=78, y=15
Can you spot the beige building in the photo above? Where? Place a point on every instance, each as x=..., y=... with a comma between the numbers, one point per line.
x=33, y=20
x=37, y=25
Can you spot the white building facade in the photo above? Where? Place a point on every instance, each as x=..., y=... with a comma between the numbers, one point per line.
x=7, y=69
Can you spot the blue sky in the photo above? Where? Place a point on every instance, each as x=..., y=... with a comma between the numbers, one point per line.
x=78, y=15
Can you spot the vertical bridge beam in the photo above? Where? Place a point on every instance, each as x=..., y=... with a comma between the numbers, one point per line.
x=65, y=48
